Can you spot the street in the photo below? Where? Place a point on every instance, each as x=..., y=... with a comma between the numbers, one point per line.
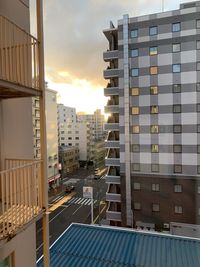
x=68, y=208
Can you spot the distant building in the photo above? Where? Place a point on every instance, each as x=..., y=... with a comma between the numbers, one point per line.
x=99, y=154
x=154, y=129
x=69, y=159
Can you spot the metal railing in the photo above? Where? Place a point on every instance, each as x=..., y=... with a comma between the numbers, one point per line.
x=20, y=194
x=19, y=61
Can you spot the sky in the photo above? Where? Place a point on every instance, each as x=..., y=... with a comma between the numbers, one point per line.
x=74, y=44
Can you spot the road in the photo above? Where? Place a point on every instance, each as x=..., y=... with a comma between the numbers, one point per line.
x=73, y=208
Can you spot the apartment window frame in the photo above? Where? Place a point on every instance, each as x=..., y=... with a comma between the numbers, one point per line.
x=178, y=126
x=198, y=66
x=154, y=167
x=176, y=88
x=137, y=186
x=198, y=128
x=154, y=109
x=178, y=209
x=153, y=90
x=154, y=129
x=134, y=52
x=176, y=47
x=135, y=91
x=198, y=149
x=198, y=23
x=177, y=108
x=176, y=68
x=137, y=205
x=154, y=148
x=153, y=70
x=134, y=72
x=177, y=168
x=155, y=187
x=153, y=30
x=198, y=44
x=176, y=27
x=134, y=33
x=178, y=188
x=198, y=107
x=136, y=167
x=135, y=110
x=153, y=50
x=177, y=149
x=155, y=207
x=136, y=129
x=198, y=87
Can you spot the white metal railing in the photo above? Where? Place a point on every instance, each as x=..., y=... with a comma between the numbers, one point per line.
x=20, y=194
x=19, y=61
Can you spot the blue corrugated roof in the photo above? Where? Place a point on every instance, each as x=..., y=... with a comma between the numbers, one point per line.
x=98, y=246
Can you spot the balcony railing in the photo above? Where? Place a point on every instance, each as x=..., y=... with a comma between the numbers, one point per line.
x=20, y=195
x=19, y=61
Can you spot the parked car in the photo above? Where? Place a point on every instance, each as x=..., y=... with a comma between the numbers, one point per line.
x=69, y=188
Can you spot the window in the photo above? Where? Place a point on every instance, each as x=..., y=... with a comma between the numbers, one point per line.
x=177, y=128
x=135, y=91
x=134, y=52
x=76, y=138
x=136, y=129
x=154, y=148
x=135, y=72
x=62, y=132
x=155, y=207
x=177, y=168
x=69, y=132
x=137, y=206
x=153, y=30
x=136, y=148
x=198, y=44
x=198, y=23
x=62, y=138
x=177, y=148
x=153, y=50
x=154, y=90
x=154, y=109
x=155, y=168
x=176, y=88
x=198, y=107
x=155, y=187
x=178, y=209
x=69, y=144
x=198, y=149
x=154, y=128
x=176, y=68
x=69, y=138
x=136, y=167
x=176, y=27
x=198, y=87
x=134, y=33
x=135, y=110
x=176, y=48
x=177, y=188
x=136, y=186
x=153, y=70
x=198, y=169
x=198, y=65
x=176, y=108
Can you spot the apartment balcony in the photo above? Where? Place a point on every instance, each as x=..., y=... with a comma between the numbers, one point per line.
x=112, y=144
x=112, y=123
x=20, y=195
x=113, y=213
x=19, y=62
x=110, y=55
x=112, y=179
x=109, y=91
x=113, y=193
x=111, y=73
x=112, y=105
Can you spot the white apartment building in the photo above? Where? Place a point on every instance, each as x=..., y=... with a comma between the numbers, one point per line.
x=23, y=191
x=52, y=138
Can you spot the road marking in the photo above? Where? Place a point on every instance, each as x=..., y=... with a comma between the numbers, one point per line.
x=62, y=201
x=76, y=210
x=99, y=214
x=42, y=244
x=81, y=201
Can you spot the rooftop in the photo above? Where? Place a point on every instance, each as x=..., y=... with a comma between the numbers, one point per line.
x=100, y=246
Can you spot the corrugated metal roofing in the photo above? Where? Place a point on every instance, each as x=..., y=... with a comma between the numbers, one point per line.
x=98, y=246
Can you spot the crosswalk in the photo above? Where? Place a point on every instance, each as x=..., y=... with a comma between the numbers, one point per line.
x=80, y=201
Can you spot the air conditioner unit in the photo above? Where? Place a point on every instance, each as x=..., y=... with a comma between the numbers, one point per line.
x=166, y=225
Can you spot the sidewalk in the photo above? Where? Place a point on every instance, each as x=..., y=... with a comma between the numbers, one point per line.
x=56, y=192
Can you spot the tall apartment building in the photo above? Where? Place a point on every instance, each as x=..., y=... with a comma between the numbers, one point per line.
x=96, y=121
x=52, y=138
x=154, y=128
x=23, y=191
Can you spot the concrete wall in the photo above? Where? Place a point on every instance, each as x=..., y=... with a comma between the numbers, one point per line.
x=23, y=248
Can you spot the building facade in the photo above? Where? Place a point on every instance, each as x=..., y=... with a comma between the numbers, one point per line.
x=69, y=159
x=23, y=179
x=153, y=142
